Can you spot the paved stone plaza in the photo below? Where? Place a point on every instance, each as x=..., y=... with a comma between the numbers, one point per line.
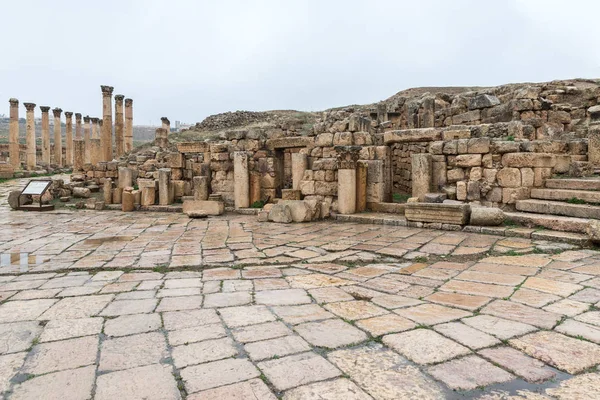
x=112, y=305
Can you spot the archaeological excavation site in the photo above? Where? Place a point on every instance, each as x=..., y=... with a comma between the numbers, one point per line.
x=438, y=244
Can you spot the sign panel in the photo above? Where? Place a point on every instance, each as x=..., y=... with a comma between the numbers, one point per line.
x=36, y=187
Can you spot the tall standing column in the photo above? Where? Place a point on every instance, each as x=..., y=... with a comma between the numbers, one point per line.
x=31, y=145
x=57, y=137
x=45, y=135
x=94, y=131
x=106, y=136
x=119, y=124
x=86, y=139
x=79, y=154
x=241, y=180
x=68, y=138
x=13, y=134
x=166, y=124
x=128, y=125
x=77, y=125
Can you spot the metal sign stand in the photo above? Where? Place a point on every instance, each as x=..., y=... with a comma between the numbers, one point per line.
x=35, y=188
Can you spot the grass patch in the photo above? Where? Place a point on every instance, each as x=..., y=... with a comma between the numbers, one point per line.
x=400, y=198
x=258, y=204
x=575, y=200
x=420, y=259
x=510, y=138
x=510, y=223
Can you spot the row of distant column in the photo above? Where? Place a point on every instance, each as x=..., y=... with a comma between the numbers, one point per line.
x=94, y=146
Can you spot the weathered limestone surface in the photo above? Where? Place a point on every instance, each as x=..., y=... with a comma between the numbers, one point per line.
x=443, y=213
x=31, y=139
x=347, y=191
x=412, y=135
x=208, y=206
x=128, y=138
x=57, y=137
x=421, y=175
x=86, y=139
x=45, y=135
x=119, y=125
x=299, y=165
x=241, y=180
x=68, y=138
x=107, y=123
x=13, y=134
x=164, y=186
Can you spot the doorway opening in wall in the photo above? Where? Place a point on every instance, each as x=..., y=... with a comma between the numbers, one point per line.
x=283, y=168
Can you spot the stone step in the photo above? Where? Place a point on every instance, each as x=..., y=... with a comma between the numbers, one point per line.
x=554, y=222
x=559, y=208
x=573, y=184
x=565, y=194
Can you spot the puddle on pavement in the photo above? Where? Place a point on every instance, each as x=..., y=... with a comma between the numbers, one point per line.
x=102, y=240
x=21, y=260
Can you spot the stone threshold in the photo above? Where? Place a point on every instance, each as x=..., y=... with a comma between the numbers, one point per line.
x=400, y=220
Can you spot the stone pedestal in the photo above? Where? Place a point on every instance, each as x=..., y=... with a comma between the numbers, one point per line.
x=421, y=165
x=164, y=189
x=30, y=131
x=254, y=187
x=361, y=186
x=57, y=137
x=117, y=196
x=119, y=125
x=45, y=135
x=346, y=191
x=13, y=134
x=299, y=165
x=125, y=177
x=241, y=180
x=166, y=125
x=95, y=151
x=594, y=144
x=201, y=186
x=69, y=138
x=160, y=138
x=106, y=136
x=78, y=154
x=107, y=191
x=128, y=201
x=148, y=196
x=86, y=140
x=128, y=139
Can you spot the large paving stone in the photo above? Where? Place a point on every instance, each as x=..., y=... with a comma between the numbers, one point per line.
x=522, y=313
x=60, y=329
x=132, y=324
x=254, y=333
x=18, y=336
x=9, y=367
x=513, y=360
x=565, y=353
x=296, y=370
x=312, y=281
x=580, y=329
x=132, y=351
x=329, y=295
x=187, y=319
x=467, y=336
x=303, y=313
x=330, y=333
x=424, y=346
x=77, y=307
x=469, y=373
x=278, y=347
x=284, y=297
x=227, y=299
x=384, y=374
x=218, y=373
x=477, y=289
x=338, y=389
x=196, y=334
x=586, y=386
x=353, y=310
x=201, y=352
x=431, y=314
x=252, y=389
x=28, y=310
x=501, y=328
x=125, y=307
x=179, y=303
x=384, y=324
x=73, y=384
x=151, y=382
x=551, y=286
x=464, y=301
x=246, y=315
x=61, y=355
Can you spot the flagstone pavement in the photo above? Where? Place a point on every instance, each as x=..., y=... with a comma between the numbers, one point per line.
x=111, y=305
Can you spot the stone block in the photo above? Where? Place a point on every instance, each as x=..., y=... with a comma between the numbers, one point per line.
x=509, y=177
x=520, y=160
x=511, y=195
x=455, y=175
x=527, y=177
x=479, y=145
x=456, y=134
x=540, y=176
x=468, y=160
x=128, y=201
x=412, y=135
x=280, y=213
x=461, y=190
x=208, y=206
x=421, y=165
x=438, y=213
x=291, y=194
x=486, y=216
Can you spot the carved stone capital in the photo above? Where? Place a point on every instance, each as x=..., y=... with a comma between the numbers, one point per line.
x=347, y=156
x=119, y=98
x=29, y=106
x=68, y=114
x=57, y=111
x=128, y=102
x=94, y=120
x=107, y=90
x=13, y=102
x=78, y=116
x=45, y=109
x=100, y=121
x=165, y=120
x=86, y=119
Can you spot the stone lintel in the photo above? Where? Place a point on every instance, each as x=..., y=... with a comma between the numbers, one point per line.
x=412, y=135
x=296, y=141
x=106, y=90
x=29, y=106
x=45, y=109
x=57, y=111
x=192, y=147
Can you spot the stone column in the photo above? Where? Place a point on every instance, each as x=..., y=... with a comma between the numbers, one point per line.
x=128, y=125
x=346, y=162
x=31, y=144
x=13, y=134
x=361, y=186
x=106, y=136
x=421, y=165
x=95, y=151
x=241, y=180
x=78, y=154
x=119, y=124
x=299, y=165
x=87, y=158
x=107, y=191
x=200, y=187
x=57, y=137
x=68, y=138
x=94, y=131
x=77, y=125
x=45, y=135
x=594, y=144
x=160, y=138
x=164, y=183
x=166, y=125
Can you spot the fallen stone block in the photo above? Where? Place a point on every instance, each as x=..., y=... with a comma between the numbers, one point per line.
x=81, y=193
x=208, y=206
x=442, y=213
x=197, y=214
x=280, y=213
x=301, y=211
x=486, y=216
x=435, y=197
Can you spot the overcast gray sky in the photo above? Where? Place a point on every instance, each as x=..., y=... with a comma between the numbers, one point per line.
x=187, y=59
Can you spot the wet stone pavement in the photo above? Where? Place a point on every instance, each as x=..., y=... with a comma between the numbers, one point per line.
x=111, y=305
